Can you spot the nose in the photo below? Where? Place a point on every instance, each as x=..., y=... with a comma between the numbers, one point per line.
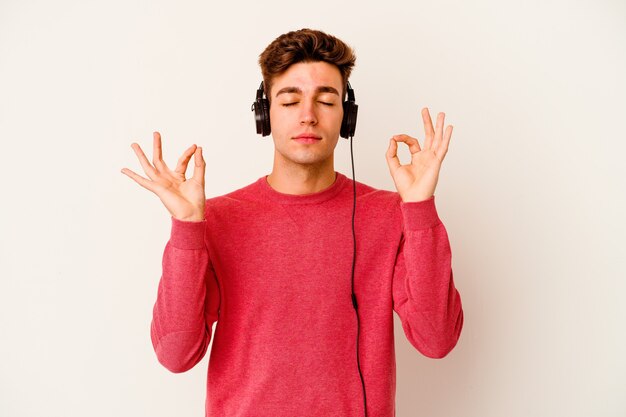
x=308, y=115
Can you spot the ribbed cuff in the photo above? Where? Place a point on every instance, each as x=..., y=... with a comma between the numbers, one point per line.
x=420, y=215
x=187, y=234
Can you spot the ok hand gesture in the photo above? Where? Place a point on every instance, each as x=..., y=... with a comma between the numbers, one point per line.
x=183, y=198
x=417, y=181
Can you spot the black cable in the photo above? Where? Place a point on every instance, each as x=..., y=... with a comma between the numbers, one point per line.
x=354, y=303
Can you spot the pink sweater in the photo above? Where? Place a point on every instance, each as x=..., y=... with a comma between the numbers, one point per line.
x=274, y=271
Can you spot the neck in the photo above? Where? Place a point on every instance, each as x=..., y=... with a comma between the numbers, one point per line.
x=301, y=179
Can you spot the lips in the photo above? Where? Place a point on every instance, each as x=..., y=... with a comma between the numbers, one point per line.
x=307, y=136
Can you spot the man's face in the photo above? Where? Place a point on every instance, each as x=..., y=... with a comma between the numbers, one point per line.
x=306, y=99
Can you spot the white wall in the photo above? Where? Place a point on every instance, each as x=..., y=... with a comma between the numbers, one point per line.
x=532, y=190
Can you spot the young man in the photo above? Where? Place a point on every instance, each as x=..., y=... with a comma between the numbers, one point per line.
x=271, y=262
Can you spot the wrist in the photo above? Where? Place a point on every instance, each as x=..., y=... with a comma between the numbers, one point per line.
x=416, y=198
x=190, y=219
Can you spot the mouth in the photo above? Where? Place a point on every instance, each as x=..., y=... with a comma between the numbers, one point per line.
x=308, y=138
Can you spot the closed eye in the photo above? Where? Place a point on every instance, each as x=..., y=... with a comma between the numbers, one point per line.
x=291, y=104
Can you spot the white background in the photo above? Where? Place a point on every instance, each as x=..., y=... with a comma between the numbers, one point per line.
x=532, y=190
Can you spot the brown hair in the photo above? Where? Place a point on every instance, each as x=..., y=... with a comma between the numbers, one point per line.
x=305, y=45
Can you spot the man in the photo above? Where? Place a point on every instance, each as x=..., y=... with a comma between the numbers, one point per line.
x=271, y=262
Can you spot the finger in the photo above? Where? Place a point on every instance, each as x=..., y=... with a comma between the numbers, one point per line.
x=144, y=182
x=443, y=149
x=392, y=156
x=438, y=131
x=429, y=132
x=181, y=168
x=199, y=167
x=414, y=145
x=157, y=153
x=148, y=169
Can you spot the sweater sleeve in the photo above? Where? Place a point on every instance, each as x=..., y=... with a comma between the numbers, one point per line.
x=424, y=295
x=188, y=298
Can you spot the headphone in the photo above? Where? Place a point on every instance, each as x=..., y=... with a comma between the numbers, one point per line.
x=261, y=107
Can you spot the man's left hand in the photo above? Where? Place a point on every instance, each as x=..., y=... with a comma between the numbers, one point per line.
x=417, y=181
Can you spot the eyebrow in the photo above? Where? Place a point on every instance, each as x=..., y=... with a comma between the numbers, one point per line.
x=297, y=90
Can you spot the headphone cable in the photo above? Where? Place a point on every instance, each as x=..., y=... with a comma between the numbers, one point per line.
x=354, y=303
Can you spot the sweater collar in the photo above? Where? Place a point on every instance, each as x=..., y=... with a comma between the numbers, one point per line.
x=266, y=192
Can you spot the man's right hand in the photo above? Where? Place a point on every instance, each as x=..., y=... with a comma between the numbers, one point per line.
x=184, y=199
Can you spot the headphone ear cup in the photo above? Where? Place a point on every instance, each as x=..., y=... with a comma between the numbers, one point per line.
x=348, y=123
x=261, y=107
x=265, y=117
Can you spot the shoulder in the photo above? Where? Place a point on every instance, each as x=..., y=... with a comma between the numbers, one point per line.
x=377, y=196
x=379, y=209
x=379, y=204
x=231, y=200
